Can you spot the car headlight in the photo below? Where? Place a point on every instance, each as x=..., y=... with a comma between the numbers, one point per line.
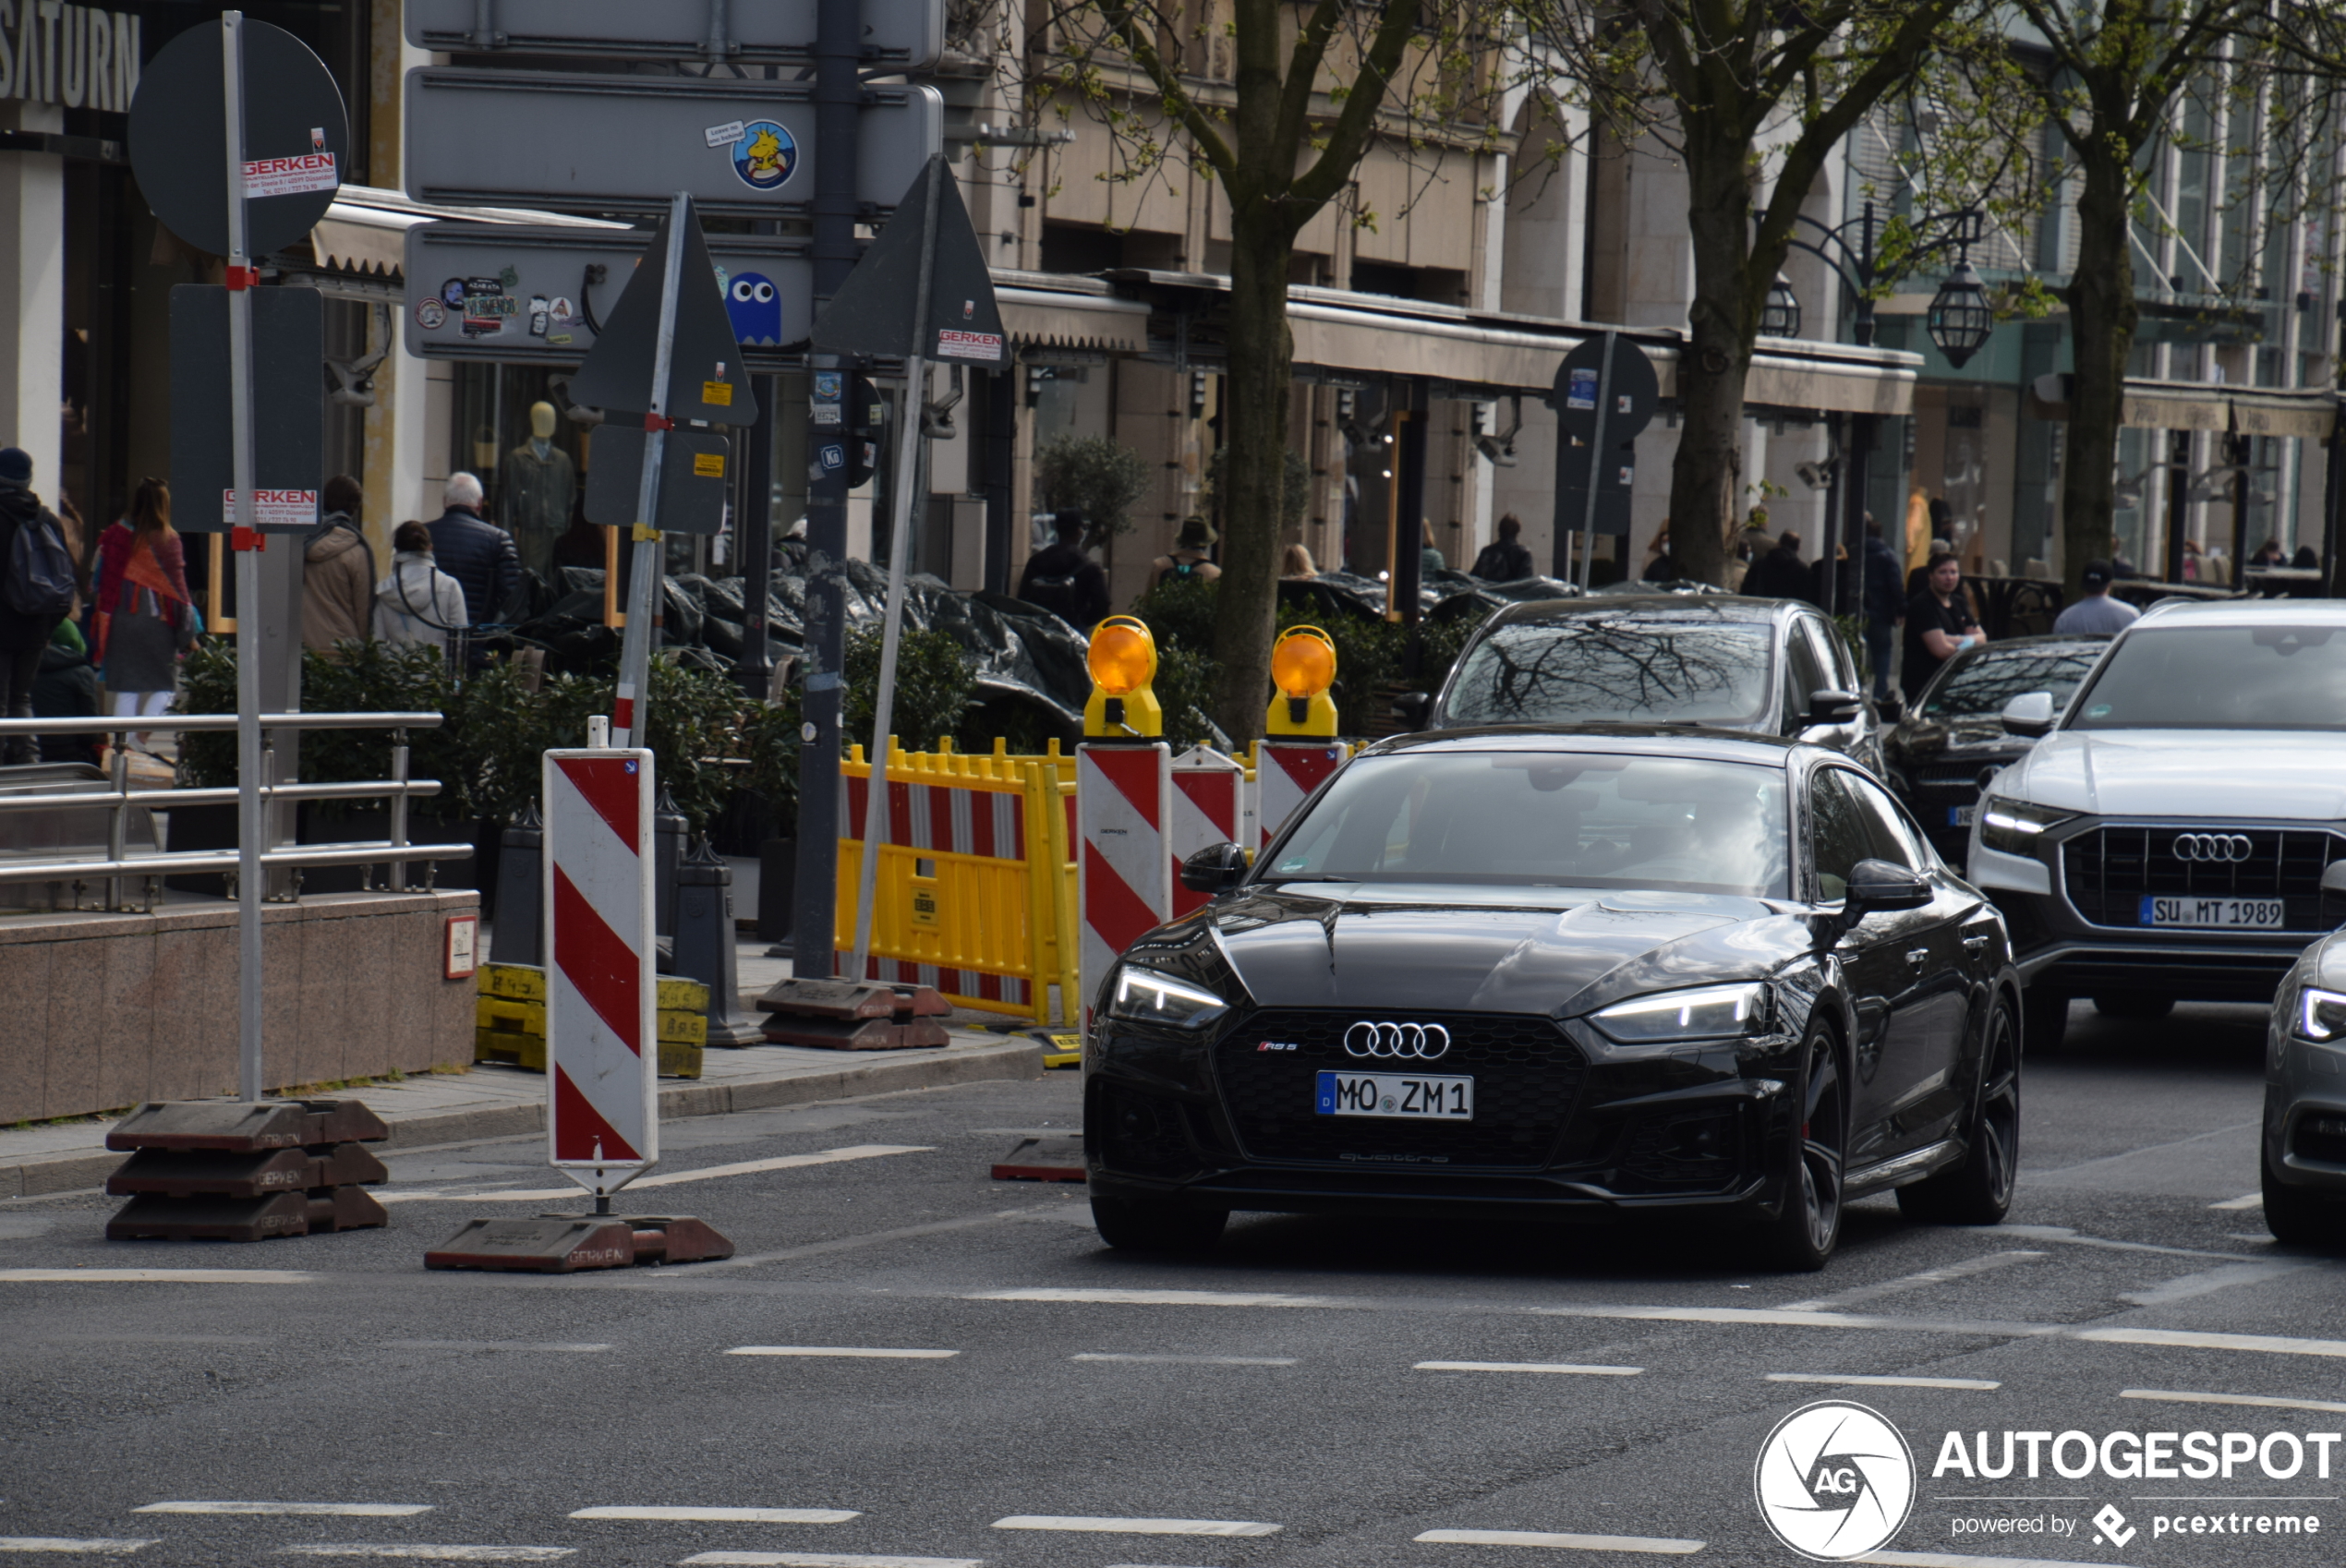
x=1147, y=995
x=2321, y=1016
x=2015, y=827
x=1709, y=1012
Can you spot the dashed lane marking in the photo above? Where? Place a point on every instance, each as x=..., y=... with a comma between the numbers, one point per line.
x=2221, y=1277
x=2246, y=1201
x=1190, y=1360
x=1164, y=1298
x=707, y=1173
x=87, y=1547
x=864, y=1352
x=1985, y=1263
x=1563, y=1366
x=160, y=1276
x=488, y=1345
x=1787, y=1317
x=1839, y=1380
x=2258, y=1401
x=434, y=1553
x=1136, y=1526
x=295, y=1510
x=822, y=1559
x=2271, y=1345
x=727, y=1515
x=1656, y=1544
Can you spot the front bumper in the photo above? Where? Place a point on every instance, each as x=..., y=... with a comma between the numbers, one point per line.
x=2305, y=1127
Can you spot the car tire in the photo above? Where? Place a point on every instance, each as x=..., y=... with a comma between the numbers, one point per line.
x=2141, y=1006
x=1135, y=1225
x=2044, y=1018
x=1801, y=1237
x=2295, y=1214
x=1978, y=1191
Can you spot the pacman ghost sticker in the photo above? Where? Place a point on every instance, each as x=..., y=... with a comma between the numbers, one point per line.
x=766, y=155
x=756, y=307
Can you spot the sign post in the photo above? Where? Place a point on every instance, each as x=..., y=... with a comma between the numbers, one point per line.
x=1604, y=393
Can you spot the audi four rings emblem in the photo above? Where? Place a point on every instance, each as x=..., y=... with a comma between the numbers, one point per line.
x=1424, y=1042
x=2212, y=848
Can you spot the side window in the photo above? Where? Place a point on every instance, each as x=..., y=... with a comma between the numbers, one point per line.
x=1886, y=826
x=1840, y=831
x=1832, y=655
x=1803, y=674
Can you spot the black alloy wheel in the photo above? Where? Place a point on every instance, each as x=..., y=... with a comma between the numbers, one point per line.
x=1978, y=1191
x=1803, y=1234
x=1134, y=1225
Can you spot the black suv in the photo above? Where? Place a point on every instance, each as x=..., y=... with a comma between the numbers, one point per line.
x=1771, y=667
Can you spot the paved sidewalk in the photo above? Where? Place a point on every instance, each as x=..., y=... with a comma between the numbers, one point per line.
x=494, y=1100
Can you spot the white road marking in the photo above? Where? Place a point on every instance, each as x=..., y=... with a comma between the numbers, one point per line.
x=865, y=1352
x=1980, y=1265
x=1658, y=1544
x=438, y=1553
x=708, y=1173
x=2272, y=1344
x=487, y=1344
x=1164, y=1297
x=1136, y=1526
x=1950, y=1559
x=297, y=1510
x=823, y=1560
x=2062, y=1233
x=159, y=1277
x=1837, y=1380
x=727, y=1515
x=2222, y=1277
x=1526, y=1367
x=2262, y=1401
x=87, y=1547
x=2246, y=1201
x=1192, y=1361
x=1786, y=1318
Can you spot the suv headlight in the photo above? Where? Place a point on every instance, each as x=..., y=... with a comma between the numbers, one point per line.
x=1147, y=995
x=2321, y=1016
x=2015, y=827
x=1709, y=1012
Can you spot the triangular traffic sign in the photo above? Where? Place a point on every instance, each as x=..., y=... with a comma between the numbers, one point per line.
x=873, y=313
x=707, y=379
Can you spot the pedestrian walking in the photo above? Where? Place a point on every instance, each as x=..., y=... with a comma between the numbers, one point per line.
x=2096, y=614
x=1189, y=561
x=1661, y=565
x=1296, y=565
x=418, y=605
x=1503, y=559
x=145, y=615
x=1778, y=573
x=1885, y=603
x=36, y=583
x=1939, y=625
x=1062, y=579
x=479, y=555
x=337, y=573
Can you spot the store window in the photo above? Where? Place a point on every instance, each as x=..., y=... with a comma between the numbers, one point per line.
x=532, y=468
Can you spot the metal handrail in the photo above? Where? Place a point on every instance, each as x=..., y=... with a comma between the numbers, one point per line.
x=220, y=795
x=185, y=862
x=119, y=725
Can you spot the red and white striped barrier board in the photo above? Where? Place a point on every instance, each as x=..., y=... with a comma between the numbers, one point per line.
x=1121, y=799
x=602, y=1064
x=1209, y=808
x=981, y=818
x=1286, y=773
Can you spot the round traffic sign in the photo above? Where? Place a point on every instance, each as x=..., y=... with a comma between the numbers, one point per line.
x=1635, y=390
x=297, y=139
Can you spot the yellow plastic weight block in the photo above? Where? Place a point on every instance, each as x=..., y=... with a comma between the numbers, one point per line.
x=678, y=1060
x=510, y=1016
x=1062, y=1050
x=682, y=996
x=525, y=1050
x=524, y=982
x=683, y=1029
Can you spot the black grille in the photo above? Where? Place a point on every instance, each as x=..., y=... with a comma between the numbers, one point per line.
x=2321, y=1139
x=1526, y=1074
x=2109, y=870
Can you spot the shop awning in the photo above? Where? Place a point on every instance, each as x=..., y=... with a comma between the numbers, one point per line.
x=2203, y=406
x=1055, y=318
x=365, y=231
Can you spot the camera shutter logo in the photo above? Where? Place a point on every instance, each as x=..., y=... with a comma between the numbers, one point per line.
x=1834, y=1480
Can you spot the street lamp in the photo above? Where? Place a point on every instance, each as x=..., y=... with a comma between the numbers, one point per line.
x=1780, y=317
x=1960, y=317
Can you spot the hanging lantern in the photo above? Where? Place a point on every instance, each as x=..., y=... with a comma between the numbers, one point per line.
x=1960, y=319
x=1780, y=317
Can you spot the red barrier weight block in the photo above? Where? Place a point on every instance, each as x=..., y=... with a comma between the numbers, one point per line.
x=225, y=1170
x=565, y=1244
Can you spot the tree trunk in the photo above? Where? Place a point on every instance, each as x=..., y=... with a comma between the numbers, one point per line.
x=1705, y=477
x=2102, y=315
x=1255, y=421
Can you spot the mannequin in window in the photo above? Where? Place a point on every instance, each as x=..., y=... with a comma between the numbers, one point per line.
x=534, y=499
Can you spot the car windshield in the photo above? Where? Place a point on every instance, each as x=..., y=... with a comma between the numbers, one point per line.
x=2268, y=676
x=1561, y=819
x=1983, y=683
x=1629, y=668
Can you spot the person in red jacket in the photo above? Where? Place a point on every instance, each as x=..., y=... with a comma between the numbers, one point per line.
x=145, y=613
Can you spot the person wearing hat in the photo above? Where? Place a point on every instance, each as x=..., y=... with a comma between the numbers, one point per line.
x=1939, y=623
x=2097, y=614
x=1189, y=557
x=23, y=636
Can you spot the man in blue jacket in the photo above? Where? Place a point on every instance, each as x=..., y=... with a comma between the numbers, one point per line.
x=1885, y=603
x=479, y=555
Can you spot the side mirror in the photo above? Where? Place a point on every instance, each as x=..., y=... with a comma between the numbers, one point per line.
x=1217, y=868
x=1836, y=707
x=1413, y=708
x=1890, y=710
x=1878, y=885
x=2030, y=715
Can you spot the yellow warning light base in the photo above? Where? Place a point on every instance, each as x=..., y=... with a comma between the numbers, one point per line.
x=1122, y=661
x=1304, y=667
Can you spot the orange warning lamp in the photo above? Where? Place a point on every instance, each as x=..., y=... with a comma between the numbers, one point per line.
x=1122, y=661
x=1302, y=667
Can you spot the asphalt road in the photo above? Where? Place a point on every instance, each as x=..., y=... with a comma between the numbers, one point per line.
x=1280, y=1402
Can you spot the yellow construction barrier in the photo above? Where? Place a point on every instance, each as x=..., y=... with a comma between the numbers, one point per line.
x=976, y=886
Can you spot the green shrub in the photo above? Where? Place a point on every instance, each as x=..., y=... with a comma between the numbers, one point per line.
x=1098, y=477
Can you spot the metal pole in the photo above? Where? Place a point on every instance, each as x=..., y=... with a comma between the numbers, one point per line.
x=908, y=448
x=1596, y=465
x=399, y=807
x=754, y=538
x=627, y=723
x=247, y=545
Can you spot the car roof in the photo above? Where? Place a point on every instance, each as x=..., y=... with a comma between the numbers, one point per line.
x=2244, y=612
x=2096, y=640
x=1635, y=740
x=1732, y=608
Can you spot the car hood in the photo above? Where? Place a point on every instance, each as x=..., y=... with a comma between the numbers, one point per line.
x=2216, y=773
x=1530, y=950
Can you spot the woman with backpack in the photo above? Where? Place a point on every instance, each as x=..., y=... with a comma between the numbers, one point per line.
x=37, y=587
x=145, y=615
x=1189, y=557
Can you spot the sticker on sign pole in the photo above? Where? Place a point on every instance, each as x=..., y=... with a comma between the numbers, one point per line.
x=290, y=176
x=952, y=344
x=276, y=509
x=1582, y=392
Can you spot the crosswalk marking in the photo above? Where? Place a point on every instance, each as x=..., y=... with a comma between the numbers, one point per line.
x=1526, y=1367
x=727, y=1515
x=821, y=1560
x=2246, y=1201
x=1567, y=1542
x=2258, y=1401
x=1137, y=1526
x=862, y=1352
x=91, y=1546
x=435, y=1553
x=1846, y=1381
x=1164, y=1298
x=295, y=1510
x=1985, y=1263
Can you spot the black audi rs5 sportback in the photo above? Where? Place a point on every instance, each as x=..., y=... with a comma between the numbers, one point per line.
x=1573, y=973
